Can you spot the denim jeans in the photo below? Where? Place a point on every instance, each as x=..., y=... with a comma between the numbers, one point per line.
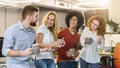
x=45, y=63
x=67, y=64
x=84, y=64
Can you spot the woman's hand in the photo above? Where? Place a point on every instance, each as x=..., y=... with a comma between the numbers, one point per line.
x=99, y=39
x=59, y=43
x=46, y=49
x=88, y=40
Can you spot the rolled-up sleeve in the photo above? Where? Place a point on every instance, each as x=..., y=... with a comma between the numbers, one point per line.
x=102, y=45
x=5, y=52
x=8, y=42
x=82, y=37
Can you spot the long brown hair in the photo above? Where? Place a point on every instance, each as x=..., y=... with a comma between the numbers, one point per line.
x=102, y=27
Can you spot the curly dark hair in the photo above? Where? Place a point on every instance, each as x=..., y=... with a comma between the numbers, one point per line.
x=78, y=15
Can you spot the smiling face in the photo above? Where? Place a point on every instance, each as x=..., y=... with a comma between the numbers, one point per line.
x=50, y=20
x=73, y=22
x=94, y=25
x=98, y=24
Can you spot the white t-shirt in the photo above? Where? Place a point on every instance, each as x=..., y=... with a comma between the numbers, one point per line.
x=47, y=38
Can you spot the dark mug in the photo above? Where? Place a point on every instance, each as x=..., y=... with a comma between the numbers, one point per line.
x=88, y=40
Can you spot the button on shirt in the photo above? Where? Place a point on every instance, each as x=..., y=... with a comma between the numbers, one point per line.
x=17, y=38
x=90, y=52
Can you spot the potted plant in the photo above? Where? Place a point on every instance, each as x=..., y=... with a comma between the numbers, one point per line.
x=113, y=25
x=118, y=28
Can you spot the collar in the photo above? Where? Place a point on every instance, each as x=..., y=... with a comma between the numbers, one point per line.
x=20, y=25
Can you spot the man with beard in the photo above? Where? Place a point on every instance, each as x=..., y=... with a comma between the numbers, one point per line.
x=18, y=40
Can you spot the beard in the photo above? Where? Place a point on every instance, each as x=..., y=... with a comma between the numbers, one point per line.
x=33, y=23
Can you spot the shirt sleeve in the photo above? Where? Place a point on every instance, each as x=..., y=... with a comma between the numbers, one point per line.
x=41, y=29
x=8, y=42
x=82, y=37
x=102, y=45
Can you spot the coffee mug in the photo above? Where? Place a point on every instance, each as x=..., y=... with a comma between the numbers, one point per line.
x=89, y=40
x=73, y=51
x=36, y=48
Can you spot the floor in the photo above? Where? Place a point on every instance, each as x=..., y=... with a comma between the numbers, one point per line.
x=2, y=62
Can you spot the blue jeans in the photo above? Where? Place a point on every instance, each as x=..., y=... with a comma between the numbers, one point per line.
x=67, y=64
x=45, y=63
x=84, y=64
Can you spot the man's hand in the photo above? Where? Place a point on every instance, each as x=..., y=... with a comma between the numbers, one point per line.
x=76, y=54
x=27, y=52
x=69, y=53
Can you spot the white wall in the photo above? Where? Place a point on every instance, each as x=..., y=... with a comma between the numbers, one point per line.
x=61, y=19
x=114, y=10
x=12, y=16
x=41, y=15
x=9, y=17
x=2, y=21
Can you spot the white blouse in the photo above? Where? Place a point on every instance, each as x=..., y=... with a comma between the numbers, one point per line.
x=90, y=52
x=47, y=38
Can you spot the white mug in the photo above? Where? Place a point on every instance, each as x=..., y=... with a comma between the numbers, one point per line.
x=73, y=51
x=36, y=48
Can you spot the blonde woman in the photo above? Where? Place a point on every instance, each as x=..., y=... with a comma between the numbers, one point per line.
x=92, y=40
x=46, y=37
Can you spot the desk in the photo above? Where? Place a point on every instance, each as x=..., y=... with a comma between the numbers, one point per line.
x=107, y=59
x=3, y=62
x=106, y=54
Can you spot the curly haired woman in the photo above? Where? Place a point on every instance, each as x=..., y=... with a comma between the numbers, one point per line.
x=92, y=40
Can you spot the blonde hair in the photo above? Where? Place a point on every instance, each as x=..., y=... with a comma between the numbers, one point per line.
x=54, y=28
x=102, y=27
